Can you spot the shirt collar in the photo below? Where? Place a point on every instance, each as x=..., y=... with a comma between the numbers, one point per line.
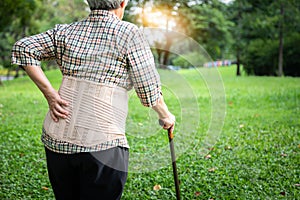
x=102, y=13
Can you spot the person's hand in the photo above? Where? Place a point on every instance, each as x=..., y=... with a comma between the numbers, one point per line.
x=168, y=122
x=56, y=105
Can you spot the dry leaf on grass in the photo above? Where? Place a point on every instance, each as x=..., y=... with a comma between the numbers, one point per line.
x=212, y=169
x=45, y=188
x=283, y=193
x=156, y=187
x=197, y=193
x=211, y=148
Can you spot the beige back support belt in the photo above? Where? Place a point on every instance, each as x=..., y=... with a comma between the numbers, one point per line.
x=97, y=113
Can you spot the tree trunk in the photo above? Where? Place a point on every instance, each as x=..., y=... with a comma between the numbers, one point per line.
x=280, y=54
x=159, y=50
x=159, y=55
x=167, y=51
x=238, y=52
x=238, y=64
x=168, y=43
x=17, y=72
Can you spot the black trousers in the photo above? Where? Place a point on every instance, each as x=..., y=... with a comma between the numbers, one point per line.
x=88, y=176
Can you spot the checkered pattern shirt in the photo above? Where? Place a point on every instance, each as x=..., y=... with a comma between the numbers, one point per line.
x=102, y=49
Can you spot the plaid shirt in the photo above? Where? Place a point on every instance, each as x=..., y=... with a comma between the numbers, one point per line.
x=102, y=49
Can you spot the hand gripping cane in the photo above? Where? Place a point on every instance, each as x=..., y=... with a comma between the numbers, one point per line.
x=171, y=136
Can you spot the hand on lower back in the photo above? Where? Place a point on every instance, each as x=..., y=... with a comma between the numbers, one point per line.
x=56, y=106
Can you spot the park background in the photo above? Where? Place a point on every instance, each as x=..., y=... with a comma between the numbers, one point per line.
x=257, y=153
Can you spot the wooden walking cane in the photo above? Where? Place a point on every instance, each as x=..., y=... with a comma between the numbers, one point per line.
x=171, y=136
x=176, y=181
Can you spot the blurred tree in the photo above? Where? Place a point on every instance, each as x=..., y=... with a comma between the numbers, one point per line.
x=265, y=26
x=237, y=12
x=211, y=28
x=20, y=18
x=62, y=12
x=205, y=21
x=15, y=22
x=163, y=15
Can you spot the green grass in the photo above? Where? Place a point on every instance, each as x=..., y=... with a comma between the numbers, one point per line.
x=256, y=155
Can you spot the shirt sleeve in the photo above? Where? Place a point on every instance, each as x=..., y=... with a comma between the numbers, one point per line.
x=142, y=70
x=30, y=51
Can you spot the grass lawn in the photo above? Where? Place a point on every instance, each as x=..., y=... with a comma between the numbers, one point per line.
x=256, y=155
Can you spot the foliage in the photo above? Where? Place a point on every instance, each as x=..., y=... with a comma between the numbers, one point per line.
x=19, y=11
x=211, y=28
x=226, y=31
x=15, y=20
x=256, y=157
x=204, y=21
x=261, y=57
x=291, y=61
x=61, y=12
x=22, y=18
x=259, y=28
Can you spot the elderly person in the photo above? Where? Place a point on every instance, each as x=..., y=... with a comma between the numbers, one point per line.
x=101, y=59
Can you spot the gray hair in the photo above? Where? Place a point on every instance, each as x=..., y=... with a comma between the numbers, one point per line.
x=104, y=4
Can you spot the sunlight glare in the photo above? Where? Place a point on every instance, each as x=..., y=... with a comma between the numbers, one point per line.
x=160, y=20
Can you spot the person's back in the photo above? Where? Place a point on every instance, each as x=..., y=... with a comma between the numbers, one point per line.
x=100, y=53
x=96, y=48
x=101, y=58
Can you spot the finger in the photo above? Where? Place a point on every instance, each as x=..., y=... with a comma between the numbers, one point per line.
x=58, y=114
x=167, y=126
x=53, y=116
x=61, y=110
x=63, y=102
